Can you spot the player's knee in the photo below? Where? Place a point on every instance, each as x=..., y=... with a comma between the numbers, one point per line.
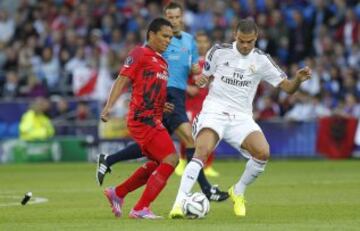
x=172, y=159
x=263, y=153
x=202, y=152
x=189, y=141
x=150, y=165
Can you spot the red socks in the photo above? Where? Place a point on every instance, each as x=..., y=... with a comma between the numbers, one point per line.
x=154, y=185
x=137, y=179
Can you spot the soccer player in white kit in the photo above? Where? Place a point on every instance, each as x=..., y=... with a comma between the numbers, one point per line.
x=234, y=72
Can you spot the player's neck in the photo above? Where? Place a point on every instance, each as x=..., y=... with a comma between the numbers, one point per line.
x=152, y=47
x=177, y=33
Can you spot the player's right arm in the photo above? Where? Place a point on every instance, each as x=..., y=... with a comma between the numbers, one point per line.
x=127, y=73
x=209, y=67
x=115, y=92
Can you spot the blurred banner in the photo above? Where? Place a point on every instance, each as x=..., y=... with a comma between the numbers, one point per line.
x=59, y=149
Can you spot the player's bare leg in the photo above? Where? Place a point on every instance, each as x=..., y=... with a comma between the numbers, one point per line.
x=187, y=143
x=212, y=192
x=205, y=144
x=258, y=147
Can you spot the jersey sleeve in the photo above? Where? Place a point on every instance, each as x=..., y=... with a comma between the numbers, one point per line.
x=210, y=61
x=271, y=72
x=194, y=52
x=132, y=63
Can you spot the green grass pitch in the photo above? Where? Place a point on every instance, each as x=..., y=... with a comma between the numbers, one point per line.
x=290, y=195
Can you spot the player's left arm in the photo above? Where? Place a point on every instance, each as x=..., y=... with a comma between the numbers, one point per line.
x=291, y=86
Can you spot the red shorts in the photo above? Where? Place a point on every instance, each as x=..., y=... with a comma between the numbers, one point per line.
x=155, y=142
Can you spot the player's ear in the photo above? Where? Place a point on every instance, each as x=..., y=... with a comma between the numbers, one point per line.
x=234, y=34
x=151, y=35
x=257, y=35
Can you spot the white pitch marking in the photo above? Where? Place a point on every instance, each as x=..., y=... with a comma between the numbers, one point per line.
x=33, y=200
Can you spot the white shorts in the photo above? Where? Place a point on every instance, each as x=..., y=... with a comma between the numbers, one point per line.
x=231, y=128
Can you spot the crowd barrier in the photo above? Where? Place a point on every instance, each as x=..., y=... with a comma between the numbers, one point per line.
x=287, y=140
x=330, y=137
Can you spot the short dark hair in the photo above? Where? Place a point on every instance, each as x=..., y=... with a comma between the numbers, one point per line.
x=247, y=26
x=173, y=5
x=156, y=25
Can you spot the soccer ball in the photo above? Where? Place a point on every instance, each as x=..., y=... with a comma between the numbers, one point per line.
x=196, y=205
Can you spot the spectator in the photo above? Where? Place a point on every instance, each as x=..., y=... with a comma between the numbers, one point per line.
x=319, y=109
x=35, y=124
x=10, y=89
x=269, y=110
x=49, y=69
x=83, y=112
x=302, y=110
x=351, y=106
x=33, y=88
x=62, y=110
x=7, y=27
x=349, y=32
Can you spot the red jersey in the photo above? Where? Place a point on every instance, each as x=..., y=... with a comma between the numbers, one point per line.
x=194, y=104
x=147, y=70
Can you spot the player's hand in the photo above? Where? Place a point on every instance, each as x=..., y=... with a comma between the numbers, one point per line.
x=105, y=114
x=168, y=107
x=192, y=90
x=202, y=81
x=304, y=74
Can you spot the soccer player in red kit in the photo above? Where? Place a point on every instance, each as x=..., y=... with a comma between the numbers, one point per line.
x=146, y=70
x=194, y=99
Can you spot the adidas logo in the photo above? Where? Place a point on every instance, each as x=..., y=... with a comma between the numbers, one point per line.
x=102, y=168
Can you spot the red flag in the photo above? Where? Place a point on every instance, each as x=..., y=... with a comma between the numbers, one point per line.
x=335, y=138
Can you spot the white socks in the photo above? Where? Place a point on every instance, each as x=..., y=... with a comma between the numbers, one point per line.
x=188, y=179
x=252, y=170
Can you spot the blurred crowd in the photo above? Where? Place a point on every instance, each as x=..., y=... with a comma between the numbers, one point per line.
x=74, y=48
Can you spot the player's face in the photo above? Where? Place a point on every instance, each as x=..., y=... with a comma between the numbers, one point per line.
x=203, y=44
x=160, y=40
x=245, y=42
x=175, y=17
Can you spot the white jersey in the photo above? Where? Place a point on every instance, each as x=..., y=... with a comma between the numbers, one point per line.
x=236, y=78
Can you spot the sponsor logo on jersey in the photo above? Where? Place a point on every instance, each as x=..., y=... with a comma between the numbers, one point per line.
x=163, y=76
x=236, y=82
x=238, y=75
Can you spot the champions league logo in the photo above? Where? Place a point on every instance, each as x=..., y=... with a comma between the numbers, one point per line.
x=207, y=66
x=128, y=61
